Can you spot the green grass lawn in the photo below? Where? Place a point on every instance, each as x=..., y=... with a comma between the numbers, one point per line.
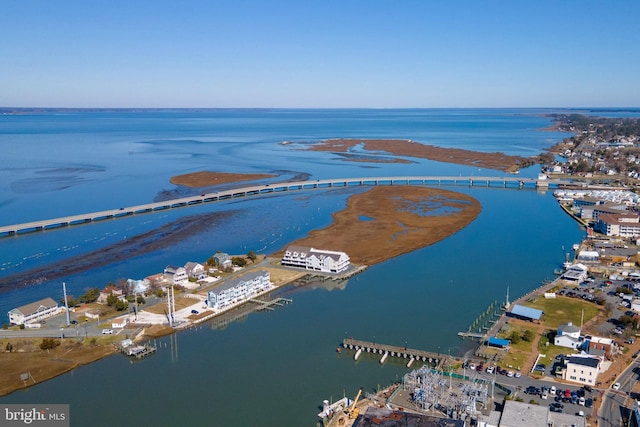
x=561, y=310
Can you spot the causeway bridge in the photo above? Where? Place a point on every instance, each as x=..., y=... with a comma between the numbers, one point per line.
x=265, y=189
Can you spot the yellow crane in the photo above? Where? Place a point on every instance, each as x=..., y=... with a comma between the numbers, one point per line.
x=353, y=411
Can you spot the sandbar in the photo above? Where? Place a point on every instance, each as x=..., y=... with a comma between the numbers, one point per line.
x=386, y=222
x=206, y=178
x=408, y=148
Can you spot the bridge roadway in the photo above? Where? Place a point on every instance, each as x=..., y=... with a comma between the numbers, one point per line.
x=505, y=182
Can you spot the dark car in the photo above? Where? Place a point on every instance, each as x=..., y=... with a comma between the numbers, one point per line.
x=74, y=322
x=588, y=403
x=530, y=390
x=195, y=312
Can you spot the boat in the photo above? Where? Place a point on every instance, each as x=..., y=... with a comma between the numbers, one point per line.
x=330, y=410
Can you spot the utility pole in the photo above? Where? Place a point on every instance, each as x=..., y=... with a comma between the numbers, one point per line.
x=66, y=305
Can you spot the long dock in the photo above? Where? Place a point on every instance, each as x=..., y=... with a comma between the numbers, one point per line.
x=257, y=190
x=394, y=351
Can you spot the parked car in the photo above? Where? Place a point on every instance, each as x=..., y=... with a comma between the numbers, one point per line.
x=530, y=390
x=588, y=403
x=616, y=386
x=517, y=374
x=107, y=331
x=195, y=312
x=552, y=390
x=490, y=369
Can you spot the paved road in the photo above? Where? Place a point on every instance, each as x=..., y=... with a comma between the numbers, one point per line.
x=518, y=385
x=614, y=402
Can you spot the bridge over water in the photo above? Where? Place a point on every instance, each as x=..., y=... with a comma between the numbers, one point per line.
x=472, y=181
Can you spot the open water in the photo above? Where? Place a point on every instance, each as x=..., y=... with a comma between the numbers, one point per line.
x=270, y=368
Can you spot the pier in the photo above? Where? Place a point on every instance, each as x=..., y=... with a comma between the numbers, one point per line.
x=276, y=188
x=138, y=351
x=268, y=305
x=385, y=351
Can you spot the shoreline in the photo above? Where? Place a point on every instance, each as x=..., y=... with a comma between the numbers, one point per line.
x=401, y=226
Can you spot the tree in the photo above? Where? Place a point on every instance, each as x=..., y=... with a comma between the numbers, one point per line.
x=112, y=300
x=140, y=300
x=121, y=305
x=252, y=255
x=239, y=261
x=90, y=296
x=528, y=335
x=9, y=347
x=49, y=343
x=515, y=337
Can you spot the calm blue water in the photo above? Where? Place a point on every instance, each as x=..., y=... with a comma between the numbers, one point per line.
x=280, y=365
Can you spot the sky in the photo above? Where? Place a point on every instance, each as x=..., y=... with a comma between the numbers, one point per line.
x=319, y=54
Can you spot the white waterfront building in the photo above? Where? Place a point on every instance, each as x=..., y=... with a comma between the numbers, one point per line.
x=34, y=312
x=316, y=259
x=234, y=291
x=176, y=275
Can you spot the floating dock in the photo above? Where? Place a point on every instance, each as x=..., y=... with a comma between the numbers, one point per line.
x=387, y=351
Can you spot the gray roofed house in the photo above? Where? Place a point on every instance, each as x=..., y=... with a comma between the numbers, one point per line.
x=36, y=311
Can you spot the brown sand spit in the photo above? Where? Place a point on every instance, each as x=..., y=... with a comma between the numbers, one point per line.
x=398, y=220
x=206, y=179
x=407, y=148
x=27, y=357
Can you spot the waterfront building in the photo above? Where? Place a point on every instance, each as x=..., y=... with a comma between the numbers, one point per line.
x=525, y=313
x=316, y=259
x=34, y=312
x=234, y=291
x=594, y=212
x=223, y=260
x=108, y=290
x=568, y=335
x=576, y=273
x=582, y=369
x=138, y=286
x=176, y=275
x=195, y=270
x=622, y=225
x=588, y=256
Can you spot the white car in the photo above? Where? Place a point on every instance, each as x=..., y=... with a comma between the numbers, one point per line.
x=552, y=391
x=545, y=395
x=616, y=386
x=517, y=374
x=490, y=370
x=510, y=374
x=472, y=366
x=107, y=331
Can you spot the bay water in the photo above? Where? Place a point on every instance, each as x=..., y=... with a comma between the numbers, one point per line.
x=269, y=368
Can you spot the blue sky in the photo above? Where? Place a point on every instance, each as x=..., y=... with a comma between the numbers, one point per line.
x=375, y=54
